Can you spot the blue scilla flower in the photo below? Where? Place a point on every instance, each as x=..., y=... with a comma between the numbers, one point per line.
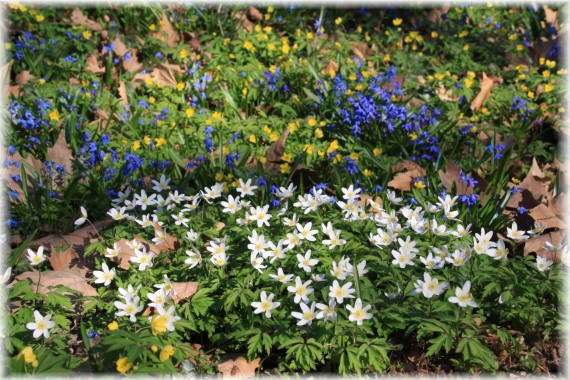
x=132, y=163
x=273, y=189
x=274, y=203
x=209, y=144
x=351, y=166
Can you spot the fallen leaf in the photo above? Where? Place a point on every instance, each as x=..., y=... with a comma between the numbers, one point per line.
x=123, y=93
x=538, y=244
x=332, y=65
x=486, y=84
x=192, y=39
x=238, y=367
x=72, y=278
x=166, y=32
x=560, y=205
x=445, y=94
x=62, y=260
x=243, y=22
x=219, y=225
x=78, y=18
x=132, y=64
x=275, y=152
x=164, y=74
x=119, y=47
x=535, y=169
x=169, y=243
x=92, y=65
x=551, y=17
x=403, y=181
x=23, y=77
x=184, y=290
x=61, y=153
x=254, y=13
x=360, y=49
x=451, y=176
x=545, y=214
x=5, y=79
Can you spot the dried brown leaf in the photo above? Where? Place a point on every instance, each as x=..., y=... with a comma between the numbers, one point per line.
x=551, y=17
x=123, y=99
x=486, y=84
x=72, y=278
x=92, y=65
x=538, y=244
x=5, y=79
x=169, y=243
x=62, y=260
x=238, y=367
x=547, y=215
x=184, y=290
x=254, y=13
x=166, y=32
x=78, y=18
x=243, y=22
x=445, y=94
x=403, y=181
x=275, y=152
x=23, y=77
x=164, y=74
x=119, y=47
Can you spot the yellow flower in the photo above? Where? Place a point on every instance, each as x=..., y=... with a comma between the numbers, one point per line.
x=244, y=91
x=40, y=18
x=247, y=45
x=86, y=34
x=183, y=53
x=270, y=46
x=397, y=21
x=367, y=172
x=54, y=115
x=561, y=110
x=152, y=27
x=318, y=133
x=463, y=33
x=274, y=137
x=312, y=122
x=530, y=94
x=354, y=156
x=308, y=148
x=114, y=325
x=166, y=353
x=377, y=151
x=387, y=58
x=270, y=9
x=160, y=141
x=515, y=180
x=561, y=71
x=123, y=365
x=439, y=76
x=29, y=356
x=153, y=348
x=550, y=64
x=190, y=112
x=338, y=20
x=337, y=158
x=217, y=115
x=287, y=157
x=285, y=168
x=219, y=176
x=412, y=136
x=434, y=34
x=292, y=127
x=180, y=86
x=468, y=82
x=158, y=324
x=252, y=139
x=546, y=73
x=285, y=49
x=266, y=129
x=149, y=81
x=466, y=47
x=549, y=87
x=520, y=47
x=419, y=185
x=225, y=150
x=151, y=99
x=310, y=35
x=321, y=153
x=513, y=37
